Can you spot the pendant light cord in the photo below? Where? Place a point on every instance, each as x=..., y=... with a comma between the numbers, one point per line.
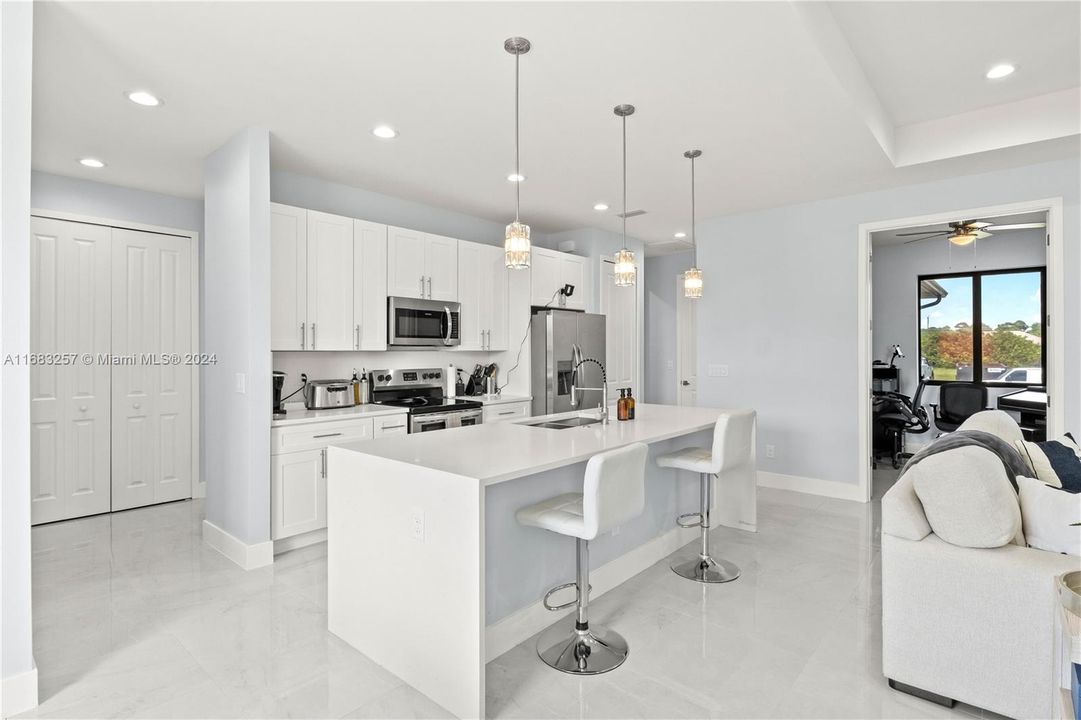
x=694, y=238
x=624, y=182
x=517, y=162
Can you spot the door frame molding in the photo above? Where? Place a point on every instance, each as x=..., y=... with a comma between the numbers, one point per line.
x=198, y=485
x=1055, y=309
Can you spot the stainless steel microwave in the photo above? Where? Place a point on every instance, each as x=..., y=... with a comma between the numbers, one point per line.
x=422, y=323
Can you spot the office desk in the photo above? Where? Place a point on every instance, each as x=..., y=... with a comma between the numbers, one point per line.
x=1032, y=406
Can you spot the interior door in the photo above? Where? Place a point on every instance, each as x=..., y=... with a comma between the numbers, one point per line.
x=370, y=285
x=69, y=403
x=441, y=267
x=405, y=263
x=151, y=382
x=619, y=305
x=330, y=282
x=686, y=346
x=288, y=277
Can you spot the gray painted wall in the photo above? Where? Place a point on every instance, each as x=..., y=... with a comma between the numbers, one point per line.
x=16, y=52
x=660, y=274
x=779, y=308
x=236, y=287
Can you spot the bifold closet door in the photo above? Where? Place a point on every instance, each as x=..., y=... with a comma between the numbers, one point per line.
x=69, y=399
x=152, y=394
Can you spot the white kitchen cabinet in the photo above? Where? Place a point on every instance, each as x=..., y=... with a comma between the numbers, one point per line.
x=391, y=425
x=421, y=265
x=288, y=277
x=369, y=285
x=505, y=412
x=482, y=283
x=330, y=282
x=298, y=493
x=551, y=270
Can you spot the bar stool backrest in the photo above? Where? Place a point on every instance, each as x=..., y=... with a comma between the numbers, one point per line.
x=733, y=440
x=615, y=488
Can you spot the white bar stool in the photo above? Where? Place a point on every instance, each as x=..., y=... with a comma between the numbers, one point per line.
x=613, y=492
x=733, y=445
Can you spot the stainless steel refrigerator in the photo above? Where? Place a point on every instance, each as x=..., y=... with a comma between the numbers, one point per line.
x=561, y=339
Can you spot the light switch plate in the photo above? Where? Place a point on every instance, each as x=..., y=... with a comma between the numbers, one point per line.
x=241, y=383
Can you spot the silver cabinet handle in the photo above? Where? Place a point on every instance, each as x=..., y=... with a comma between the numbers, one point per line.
x=323, y=461
x=358, y=337
x=509, y=412
x=313, y=336
x=422, y=286
x=326, y=435
x=429, y=287
x=302, y=335
x=393, y=427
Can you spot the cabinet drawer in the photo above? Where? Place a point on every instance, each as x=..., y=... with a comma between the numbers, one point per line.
x=391, y=425
x=506, y=411
x=312, y=436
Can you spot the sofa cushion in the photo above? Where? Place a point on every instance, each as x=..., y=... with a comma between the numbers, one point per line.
x=968, y=499
x=1055, y=462
x=1049, y=517
x=996, y=422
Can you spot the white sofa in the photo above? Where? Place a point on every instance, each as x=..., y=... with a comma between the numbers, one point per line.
x=974, y=625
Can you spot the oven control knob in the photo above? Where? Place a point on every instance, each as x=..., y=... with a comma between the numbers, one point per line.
x=381, y=378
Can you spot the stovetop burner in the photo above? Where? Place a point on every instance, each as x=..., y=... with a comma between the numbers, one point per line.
x=421, y=405
x=420, y=391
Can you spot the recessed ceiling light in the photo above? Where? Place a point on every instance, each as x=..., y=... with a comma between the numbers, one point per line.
x=601, y=207
x=142, y=97
x=91, y=162
x=515, y=177
x=1000, y=71
x=384, y=131
x=680, y=235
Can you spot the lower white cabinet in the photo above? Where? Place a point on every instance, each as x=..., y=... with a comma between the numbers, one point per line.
x=298, y=468
x=504, y=412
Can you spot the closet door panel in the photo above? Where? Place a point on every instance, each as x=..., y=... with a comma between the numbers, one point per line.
x=47, y=501
x=173, y=426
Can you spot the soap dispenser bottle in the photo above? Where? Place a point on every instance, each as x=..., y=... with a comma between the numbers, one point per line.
x=630, y=405
x=621, y=405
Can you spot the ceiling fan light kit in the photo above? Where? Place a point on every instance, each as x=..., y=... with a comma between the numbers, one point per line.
x=516, y=245
x=965, y=232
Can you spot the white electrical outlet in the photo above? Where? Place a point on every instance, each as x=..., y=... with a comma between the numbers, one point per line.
x=416, y=524
x=771, y=451
x=718, y=370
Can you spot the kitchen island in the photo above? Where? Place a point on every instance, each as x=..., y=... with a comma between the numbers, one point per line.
x=430, y=575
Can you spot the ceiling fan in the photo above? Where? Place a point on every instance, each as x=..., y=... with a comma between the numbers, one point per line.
x=966, y=231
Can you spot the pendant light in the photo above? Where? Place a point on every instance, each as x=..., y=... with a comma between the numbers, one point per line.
x=516, y=243
x=692, y=279
x=625, y=270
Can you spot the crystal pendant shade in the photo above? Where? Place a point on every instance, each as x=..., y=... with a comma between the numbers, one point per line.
x=692, y=283
x=625, y=271
x=516, y=246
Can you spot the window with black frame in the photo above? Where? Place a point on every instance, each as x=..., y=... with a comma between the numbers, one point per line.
x=983, y=326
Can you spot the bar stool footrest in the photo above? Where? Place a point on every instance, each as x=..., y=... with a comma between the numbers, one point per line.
x=687, y=524
x=565, y=605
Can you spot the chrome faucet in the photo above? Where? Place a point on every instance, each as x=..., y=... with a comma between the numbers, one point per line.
x=603, y=389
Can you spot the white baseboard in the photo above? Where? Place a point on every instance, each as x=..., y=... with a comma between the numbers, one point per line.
x=501, y=636
x=299, y=541
x=246, y=556
x=810, y=486
x=20, y=693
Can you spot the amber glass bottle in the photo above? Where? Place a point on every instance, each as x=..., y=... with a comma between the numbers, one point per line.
x=630, y=405
x=621, y=405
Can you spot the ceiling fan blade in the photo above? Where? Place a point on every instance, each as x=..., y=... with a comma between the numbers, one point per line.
x=929, y=237
x=925, y=232
x=1018, y=226
x=976, y=224
x=979, y=234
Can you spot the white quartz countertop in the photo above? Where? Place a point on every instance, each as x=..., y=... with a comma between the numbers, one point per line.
x=498, y=399
x=497, y=452
x=296, y=413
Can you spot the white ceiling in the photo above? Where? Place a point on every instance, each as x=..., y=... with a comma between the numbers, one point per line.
x=753, y=85
x=895, y=237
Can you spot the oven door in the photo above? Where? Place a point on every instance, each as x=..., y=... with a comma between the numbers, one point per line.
x=422, y=323
x=465, y=418
x=430, y=422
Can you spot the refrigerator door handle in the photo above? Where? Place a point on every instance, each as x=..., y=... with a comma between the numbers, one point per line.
x=576, y=359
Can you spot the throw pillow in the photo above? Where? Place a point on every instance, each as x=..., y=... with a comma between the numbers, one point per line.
x=1049, y=515
x=1056, y=462
x=967, y=498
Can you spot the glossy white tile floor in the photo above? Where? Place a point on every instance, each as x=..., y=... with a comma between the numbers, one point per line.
x=135, y=617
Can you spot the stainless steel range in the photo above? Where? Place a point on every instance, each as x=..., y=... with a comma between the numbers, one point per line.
x=421, y=392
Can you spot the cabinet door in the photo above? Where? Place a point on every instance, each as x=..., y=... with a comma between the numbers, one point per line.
x=496, y=289
x=69, y=404
x=441, y=268
x=369, y=285
x=151, y=402
x=298, y=493
x=330, y=282
x=572, y=270
x=391, y=425
x=505, y=412
x=288, y=277
x=472, y=277
x=405, y=263
x=544, y=277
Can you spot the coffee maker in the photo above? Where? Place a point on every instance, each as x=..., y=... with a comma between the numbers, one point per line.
x=279, y=382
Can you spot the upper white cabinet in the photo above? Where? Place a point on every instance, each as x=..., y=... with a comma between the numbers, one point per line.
x=369, y=285
x=330, y=282
x=551, y=270
x=482, y=287
x=421, y=265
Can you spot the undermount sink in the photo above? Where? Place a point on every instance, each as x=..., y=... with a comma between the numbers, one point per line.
x=564, y=423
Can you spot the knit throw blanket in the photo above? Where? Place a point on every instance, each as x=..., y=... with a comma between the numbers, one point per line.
x=1011, y=459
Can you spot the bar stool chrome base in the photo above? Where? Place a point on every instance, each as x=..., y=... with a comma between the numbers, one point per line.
x=592, y=651
x=705, y=569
